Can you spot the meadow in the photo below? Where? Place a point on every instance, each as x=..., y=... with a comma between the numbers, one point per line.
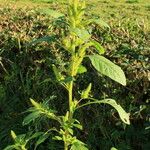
x=38, y=50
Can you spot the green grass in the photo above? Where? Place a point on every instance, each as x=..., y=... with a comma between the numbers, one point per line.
x=106, y=9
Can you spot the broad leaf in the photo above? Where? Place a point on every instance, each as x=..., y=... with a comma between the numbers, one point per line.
x=108, y=68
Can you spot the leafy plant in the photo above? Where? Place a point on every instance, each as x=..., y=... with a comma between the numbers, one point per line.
x=77, y=41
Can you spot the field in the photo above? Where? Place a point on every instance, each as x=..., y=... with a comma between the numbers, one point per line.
x=39, y=89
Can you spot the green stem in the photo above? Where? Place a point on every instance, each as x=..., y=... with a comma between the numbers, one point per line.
x=70, y=95
x=65, y=146
x=23, y=147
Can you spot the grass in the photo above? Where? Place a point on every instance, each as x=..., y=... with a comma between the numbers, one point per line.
x=106, y=9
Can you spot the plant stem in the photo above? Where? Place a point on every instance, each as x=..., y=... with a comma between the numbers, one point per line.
x=65, y=146
x=70, y=95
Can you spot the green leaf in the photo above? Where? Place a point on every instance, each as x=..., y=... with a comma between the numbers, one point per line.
x=41, y=139
x=78, y=145
x=100, y=23
x=113, y=148
x=123, y=115
x=31, y=117
x=108, y=68
x=98, y=47
x=81, y=69
x=85, y=93
x=67, y=79
x=58, y=138
x=35, y=135
x=13, y=134
x=10, y=147
x=47, y=39
x=35, y=104
x=78, y=126
x=81, y=33
x=57, y=73
x=52, y=13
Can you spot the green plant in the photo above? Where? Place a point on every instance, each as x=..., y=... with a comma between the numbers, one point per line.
x=77, y=42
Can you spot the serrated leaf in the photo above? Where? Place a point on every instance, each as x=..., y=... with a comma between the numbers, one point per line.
x=108, y=68
x=81, y=69
x=32, y=116
x=98, y=47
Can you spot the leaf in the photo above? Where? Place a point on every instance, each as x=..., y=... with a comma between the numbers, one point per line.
x=10, y=147
x=13, y=134
x=41, y=139
x=68, y=79
x=35, y=104
x=35, y=135
x=32, y=116
x=47, y=39
x=108, y=68
x=81, y=33
x=81, y=69
x=52, y=13
x=85, y=93
x=98, y=47
x=100, y=22
x=78, y=145
x=113, y=148
x=57, y=73
x=58, y=138
x=123, y=115
x=78, y=126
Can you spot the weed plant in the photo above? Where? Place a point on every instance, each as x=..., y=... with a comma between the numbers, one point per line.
x=76, y=41
x=29, y=74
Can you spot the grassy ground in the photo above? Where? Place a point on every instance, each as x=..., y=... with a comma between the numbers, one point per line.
x=105, y=8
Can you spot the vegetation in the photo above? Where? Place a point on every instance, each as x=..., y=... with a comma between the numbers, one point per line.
x=35, y=46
